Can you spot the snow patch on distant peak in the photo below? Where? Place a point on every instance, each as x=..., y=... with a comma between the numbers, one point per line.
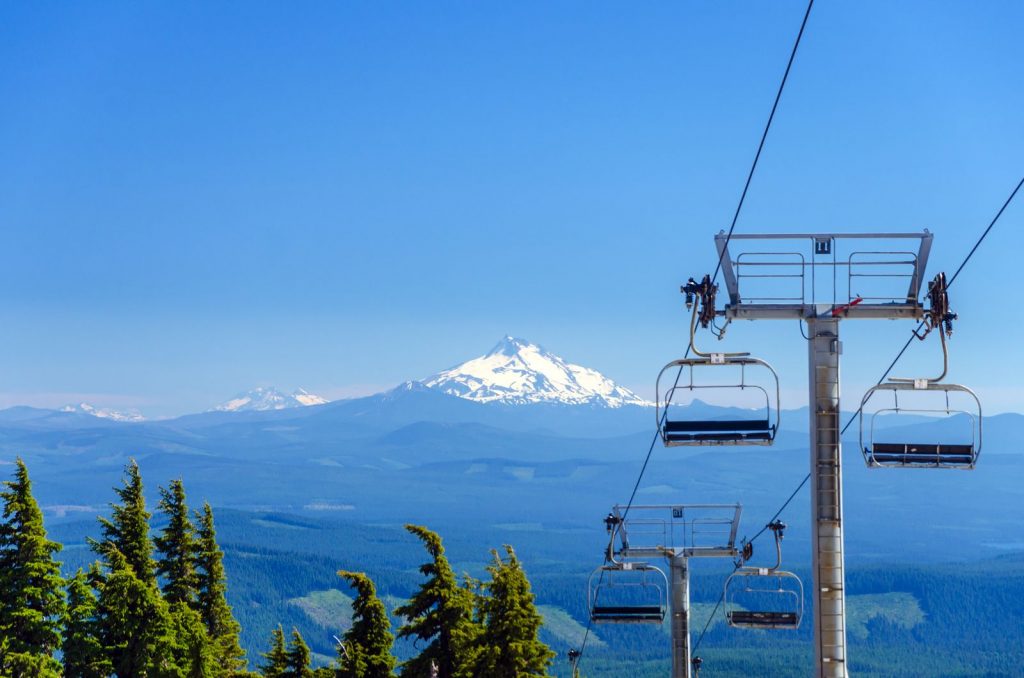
x=263, y=399
x=104, y=412
x=517, y=371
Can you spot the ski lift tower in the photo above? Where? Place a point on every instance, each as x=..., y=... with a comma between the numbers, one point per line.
x=805, y=276
x=676, y=532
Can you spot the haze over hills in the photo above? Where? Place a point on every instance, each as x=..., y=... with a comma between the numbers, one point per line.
x=519, y=434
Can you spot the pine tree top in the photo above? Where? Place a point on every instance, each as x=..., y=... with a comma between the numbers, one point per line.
x=177, y=546
x=31, y=588
x=127, y=530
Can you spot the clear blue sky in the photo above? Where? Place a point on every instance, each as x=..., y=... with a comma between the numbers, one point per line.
x=202, y=197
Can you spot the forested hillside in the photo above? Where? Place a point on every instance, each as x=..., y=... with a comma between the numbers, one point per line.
x=957, y=620
x=133, y=615
x=280, y=572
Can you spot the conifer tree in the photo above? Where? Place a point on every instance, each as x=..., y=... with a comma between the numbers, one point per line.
x=195, y=654
x=440, y=613
x=31, y=588
x=135, y=626
x=297, y=658
x=366, y=649
x=277, y=656
x=26, y=665
x=127, y=530
x=221, y=626
x=83, y=653
x=510, y=646
x=176, y=545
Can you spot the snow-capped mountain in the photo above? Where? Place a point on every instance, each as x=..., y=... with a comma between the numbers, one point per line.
x=263, y=399
x=104, y=412
x=516, y=371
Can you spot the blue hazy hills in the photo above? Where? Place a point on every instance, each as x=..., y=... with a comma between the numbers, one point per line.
x=413, y=454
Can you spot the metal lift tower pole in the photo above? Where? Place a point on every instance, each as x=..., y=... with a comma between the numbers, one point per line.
x=829, y=598
x=680, y=579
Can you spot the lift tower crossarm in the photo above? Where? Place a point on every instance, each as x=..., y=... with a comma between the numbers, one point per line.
x=802, y=303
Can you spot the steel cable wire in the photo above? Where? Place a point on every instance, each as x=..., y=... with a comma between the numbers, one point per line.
x=732, y=227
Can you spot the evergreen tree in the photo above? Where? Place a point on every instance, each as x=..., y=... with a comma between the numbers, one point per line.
x=297, y=658
x=31, y=588
x=510, y=646
x=212, y=604
x=127, y=530
x=366, y=649
x=277, y=656
x=135, y=626
x=176, y=545
x=441, y=613
x=83, y=653
x=195, y=654
x=26, y=664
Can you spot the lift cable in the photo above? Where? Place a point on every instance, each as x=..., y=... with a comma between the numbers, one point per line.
x=853, y=417
x=590, y=620
x=736, y=215
x=764, y=137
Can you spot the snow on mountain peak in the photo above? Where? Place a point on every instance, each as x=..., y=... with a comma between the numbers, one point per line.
x=261, y=399
x=104, y=412
x=517, y=371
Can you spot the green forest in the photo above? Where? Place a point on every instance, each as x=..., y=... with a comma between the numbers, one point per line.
x=266, y=593
x=155, y=606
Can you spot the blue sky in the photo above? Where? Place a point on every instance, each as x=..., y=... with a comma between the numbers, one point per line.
x=201, y=198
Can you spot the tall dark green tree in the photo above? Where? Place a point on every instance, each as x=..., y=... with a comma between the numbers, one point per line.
x=510, y=646
x=194, y=653
x=127, y=529
x=83, y=654
x=298, y=656
x=135, y=625
x=277, y=657
x=440, y=613
x=212, y=604
x=176, y=545
x=31, y=588
x=366, y=648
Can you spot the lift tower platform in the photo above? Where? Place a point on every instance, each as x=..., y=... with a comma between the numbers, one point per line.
x=676, y=532
x=805, y=276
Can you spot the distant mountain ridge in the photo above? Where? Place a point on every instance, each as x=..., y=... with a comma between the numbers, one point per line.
x=104, y=412
x=264, y=399
x=518, y=372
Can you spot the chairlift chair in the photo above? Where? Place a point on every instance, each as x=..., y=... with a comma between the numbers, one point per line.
x=677, y=431
x=881, y=451
x=700, y=300
x=764, y=597
x=628, y=593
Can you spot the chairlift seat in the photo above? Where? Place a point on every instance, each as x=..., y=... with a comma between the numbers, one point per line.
x=767, y=620
x=654, y=614
x=931, y=453
x=719, y=430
